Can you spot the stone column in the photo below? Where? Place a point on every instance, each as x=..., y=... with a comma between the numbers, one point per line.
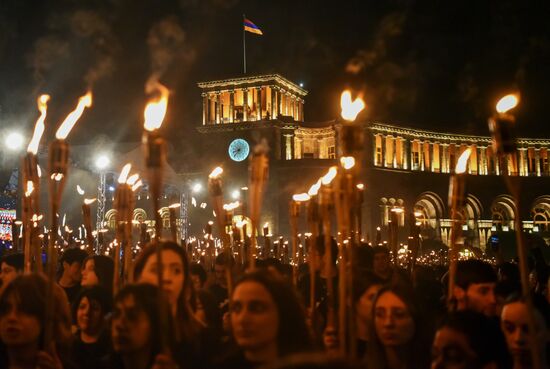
x=273, y=111
x=245, y=104
x=204, y=109
x=277, y=103
x=231, y=106
x=522, y=161
x=444, y=158
x=218, y=108
x=259, y=103
x=537, y=162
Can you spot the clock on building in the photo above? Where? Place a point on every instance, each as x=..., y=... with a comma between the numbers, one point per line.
x=238, y=149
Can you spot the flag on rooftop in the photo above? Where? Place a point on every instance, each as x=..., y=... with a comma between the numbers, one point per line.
x=251, y=27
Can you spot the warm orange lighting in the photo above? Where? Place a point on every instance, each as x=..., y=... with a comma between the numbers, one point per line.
x=347, y=162
x=507, y=102
x=124, y=173
x=69, y=122
x=331, y=174
x=360, y=186
x=300, y=197
x=39, y=126
x=231, y=206
x=350, y=109
x=156, y=109
x=216, y=172
x=57, y=176
x=89, y=201
x=175, y=205
x=397, y=210
x=132, y=179
x=463, y=161
x=418, y=214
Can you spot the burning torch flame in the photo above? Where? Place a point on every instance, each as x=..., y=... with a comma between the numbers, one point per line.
x=156, y=109
x=216, y=172
x=39, y=127
x=463, y=161
x=314, y=189
x=132, y=179
x=231, y=206
x=350, y=109
x=360, y=186
x=30, y=188
x=138, y=184
x=507, y=102
x=124, y=173
x=69, y=122
x=79, y=190
x=347, y=162
x=300, y=197
x=89, y=201
x=327, y=178
x=39, y=171
x=175, y=205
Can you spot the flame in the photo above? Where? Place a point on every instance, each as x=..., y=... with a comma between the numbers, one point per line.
x=132, y=179
x=156, y=109
x=39, y=171
x=347, y=162
x=350, y=109
x=30, y=188
x=300, y=197
x=216, y=172
x=89, y=201
x=69, y=122
x=175, y=205
x=57, y=176
x=79, y=190
x=231, y=206
x=360, y=186
x=463, y=161
x=39, y=126
x=507, y=102
x=327, y=178
x=124, y=173
x=314, y=189
x=138, y=184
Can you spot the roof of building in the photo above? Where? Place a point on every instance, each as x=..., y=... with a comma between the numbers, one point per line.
x=248, y=80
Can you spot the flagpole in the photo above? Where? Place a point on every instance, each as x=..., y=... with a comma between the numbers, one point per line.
x=244, y=45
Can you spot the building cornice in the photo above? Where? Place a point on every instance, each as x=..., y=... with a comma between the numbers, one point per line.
x=251, y=80
x=245, y=126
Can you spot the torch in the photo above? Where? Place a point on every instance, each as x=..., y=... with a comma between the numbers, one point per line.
x=258, y=174
x=58, y=166
x=312, y=211
x=173, y=226
x=87, y=220
x=31, y=178
x=502, y=127
x=228, y=213
x=456, y=203
x=216, y=194
x=122, y=204
x=294, y=209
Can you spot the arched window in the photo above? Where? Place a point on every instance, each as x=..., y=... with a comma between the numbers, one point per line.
x=139, y=215
x=540, y=212
x=503, y=212
x=110, y=219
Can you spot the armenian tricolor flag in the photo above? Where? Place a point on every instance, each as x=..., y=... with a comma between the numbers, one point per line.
x=251, y=27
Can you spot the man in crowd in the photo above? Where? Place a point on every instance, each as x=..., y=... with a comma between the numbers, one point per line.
x=10, y=267
x=71, y=272
x=475, y=282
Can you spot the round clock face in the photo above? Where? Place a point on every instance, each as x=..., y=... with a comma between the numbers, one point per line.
x=238, y=149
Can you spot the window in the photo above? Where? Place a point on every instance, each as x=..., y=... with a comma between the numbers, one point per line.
x=331, y=152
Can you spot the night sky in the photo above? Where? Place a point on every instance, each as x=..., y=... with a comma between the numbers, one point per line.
x=438, y=65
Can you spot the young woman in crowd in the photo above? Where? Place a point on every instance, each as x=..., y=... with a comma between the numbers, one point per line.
x=92, y=340
x=267, y=321
x=22, y=319
x=514, y=325
x=195, y=342
x=98, y=270
x=401, y=337
x=136, y=331
x=469, y=340
x=365, y=290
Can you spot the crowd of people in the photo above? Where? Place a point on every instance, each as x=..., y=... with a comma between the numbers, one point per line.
x=230, y=316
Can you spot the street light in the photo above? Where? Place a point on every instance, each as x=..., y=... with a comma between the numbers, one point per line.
x=14, y=141
x=197, y=187
x=236, y=194
x=102, y=162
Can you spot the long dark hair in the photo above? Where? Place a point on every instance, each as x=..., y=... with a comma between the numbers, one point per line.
x=146, y=297
x=29, y=291
x=293, y=333
x=104, y=268
x=187, y=325
x=418, y=347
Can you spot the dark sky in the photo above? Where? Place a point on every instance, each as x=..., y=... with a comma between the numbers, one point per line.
x=439, y=65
